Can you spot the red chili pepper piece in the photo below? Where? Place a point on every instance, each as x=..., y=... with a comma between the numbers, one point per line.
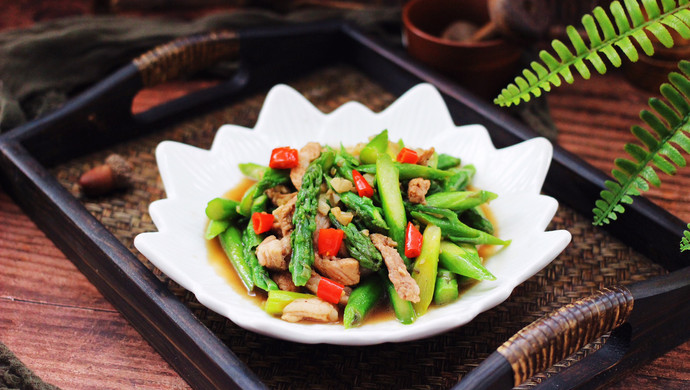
x=329, y=290
x=284, y=158
x=413, y=241
x=363, y=187
x=262, y=222
x=330, y=241
x=407, y=156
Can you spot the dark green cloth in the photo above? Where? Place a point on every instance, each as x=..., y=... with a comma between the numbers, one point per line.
x=15, y=376
x=40, y=66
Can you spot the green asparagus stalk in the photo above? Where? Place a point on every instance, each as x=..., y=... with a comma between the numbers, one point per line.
x=463, y=260
x=391, y=199
x=221, y=209
x=460, y=200
x=250, y=240
x=245, y=206
x=303, y=219
x=253, y=171
x=460, y=178
x=411, y=171
x=215, y=228
x=446, y=290
x=366, y=213
x=358, y=245
x=446, y=161
x=271, y=178
x=451, y=226
x=362, y=299
x=476, y=218
x=344, y=163
x=278, y=299
x=231, y=242
x=403, y=309
x=425, y=268
x=378, y=145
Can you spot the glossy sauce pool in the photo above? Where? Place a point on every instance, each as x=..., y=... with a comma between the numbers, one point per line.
x=381, y=313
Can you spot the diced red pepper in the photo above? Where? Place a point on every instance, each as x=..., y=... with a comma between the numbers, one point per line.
x=363, y=187
x=262, y=222
x=407, y=156
x=330, y=241
x=284, y=158
x=329, y=290
x=413, y=241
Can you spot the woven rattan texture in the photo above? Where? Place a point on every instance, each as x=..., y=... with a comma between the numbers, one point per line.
x=593, y=260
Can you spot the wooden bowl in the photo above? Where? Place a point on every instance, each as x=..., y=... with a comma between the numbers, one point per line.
x=483, y=67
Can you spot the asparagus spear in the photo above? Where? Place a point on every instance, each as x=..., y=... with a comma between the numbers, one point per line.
x=219, y=209
x=403, y=309
x=446, y=290
x=250, y=240
x=303, y=219
x=253, y=171
x=459, y=179
x=358, y=245
x=460, y=200
x=446, y=161
x=410, y=171
x=391, y=199
x=378, y=145
x=362, y=299
x=215, y=228
x=231, y=242
x=344, y=163
x=463, y=260
x=476, y=218
x=451, y=226
x=425, y=267
x=278, y=299
x=366, y=213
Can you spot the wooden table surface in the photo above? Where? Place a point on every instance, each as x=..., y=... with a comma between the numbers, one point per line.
x=63, y=329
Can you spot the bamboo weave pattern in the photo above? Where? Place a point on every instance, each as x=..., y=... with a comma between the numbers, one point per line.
x=185, y=56
x=565, y=331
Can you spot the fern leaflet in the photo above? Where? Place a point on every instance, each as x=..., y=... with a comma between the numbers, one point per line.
x=662, y=148
x=674, y=15
x=685, y=241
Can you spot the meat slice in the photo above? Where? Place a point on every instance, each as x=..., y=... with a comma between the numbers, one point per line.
x=284, y=281
x=425, y=155
x=272, y=252
x=344, y=271
x=283, y=216
x=313, y=309
x=405, y=286
x=307, y=154
x=280, y=195
x=417, y=189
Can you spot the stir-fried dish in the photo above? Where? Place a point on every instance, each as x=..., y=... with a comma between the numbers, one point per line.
x=325, y=230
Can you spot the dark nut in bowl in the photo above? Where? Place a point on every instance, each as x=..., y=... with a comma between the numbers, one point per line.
x=439, y=34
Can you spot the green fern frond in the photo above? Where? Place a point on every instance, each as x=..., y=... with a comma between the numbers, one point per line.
x=685, y=241
x=629, y=24
x=662, y=148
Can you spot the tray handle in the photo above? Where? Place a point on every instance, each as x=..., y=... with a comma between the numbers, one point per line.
x=558, y=335
x=186, y=55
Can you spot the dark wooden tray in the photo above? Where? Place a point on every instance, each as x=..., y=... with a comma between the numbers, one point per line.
x=102, y=117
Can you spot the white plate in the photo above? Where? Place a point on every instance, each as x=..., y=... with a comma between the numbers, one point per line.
x=193, y=176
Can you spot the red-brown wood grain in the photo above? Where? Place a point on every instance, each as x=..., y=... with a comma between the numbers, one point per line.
x=59, y=325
